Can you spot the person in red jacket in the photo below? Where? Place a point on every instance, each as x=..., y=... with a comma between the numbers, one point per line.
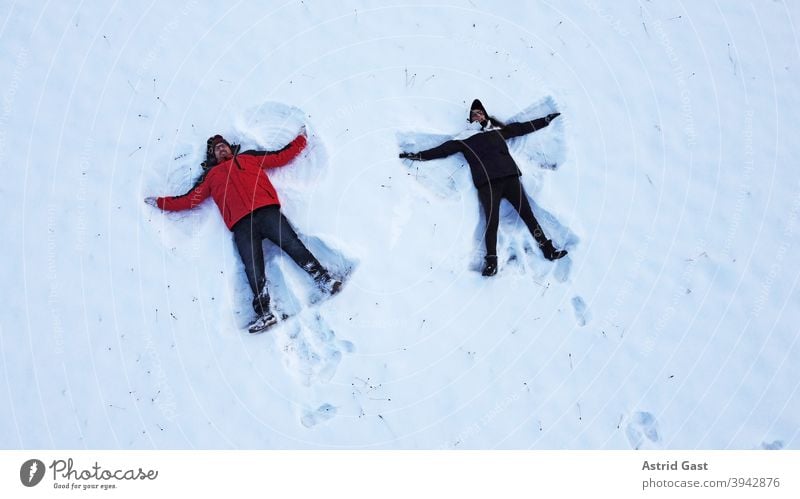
x=250, y=208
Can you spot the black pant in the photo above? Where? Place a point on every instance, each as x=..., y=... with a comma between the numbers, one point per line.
x=268, y=223
x=511, y=189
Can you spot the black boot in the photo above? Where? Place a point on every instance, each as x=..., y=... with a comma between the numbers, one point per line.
x=327, y=283
x=262, y=322
x=323, y=279
x=261, y=303
x=490, y=266
x=264, y=318
x=550, y=252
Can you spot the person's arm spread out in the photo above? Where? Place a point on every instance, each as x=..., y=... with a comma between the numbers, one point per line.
x=442, y=151
x=177, y=203
x=516, y=129
x=273, y=159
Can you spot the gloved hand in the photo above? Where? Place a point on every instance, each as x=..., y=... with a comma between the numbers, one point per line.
x=413, y=156
x=550, y=117
x=151, y=201
x=303, y=131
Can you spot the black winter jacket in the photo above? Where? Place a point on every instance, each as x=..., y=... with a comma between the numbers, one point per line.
x=487, y=152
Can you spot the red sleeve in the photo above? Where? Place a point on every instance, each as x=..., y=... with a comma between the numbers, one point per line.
x=283, y=156
x=185, y=202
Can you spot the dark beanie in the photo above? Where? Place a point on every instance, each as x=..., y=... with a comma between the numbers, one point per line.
x=216, y=139
x=476, y=104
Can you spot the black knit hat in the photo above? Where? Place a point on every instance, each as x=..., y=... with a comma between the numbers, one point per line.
x=476, y=104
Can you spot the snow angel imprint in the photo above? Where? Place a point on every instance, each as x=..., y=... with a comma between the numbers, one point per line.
x=495, y=175
x=250, y=207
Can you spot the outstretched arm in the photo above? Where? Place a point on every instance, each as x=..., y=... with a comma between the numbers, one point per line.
x=176, y=203
x=516, y=129
x=442, y=151
x=272, y=159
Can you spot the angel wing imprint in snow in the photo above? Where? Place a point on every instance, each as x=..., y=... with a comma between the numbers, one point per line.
x=480, y=156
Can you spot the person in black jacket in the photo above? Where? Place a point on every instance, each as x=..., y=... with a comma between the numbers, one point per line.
x=495, y=175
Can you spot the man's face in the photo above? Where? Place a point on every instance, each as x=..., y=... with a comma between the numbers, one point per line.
x=477, y=115
x=222, y=152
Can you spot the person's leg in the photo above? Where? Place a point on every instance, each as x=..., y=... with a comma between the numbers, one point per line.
x=248, y=243
x=277, y=229
x=516, y=195
x=489, y=196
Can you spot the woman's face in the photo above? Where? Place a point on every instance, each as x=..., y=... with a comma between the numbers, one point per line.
x=477, y=115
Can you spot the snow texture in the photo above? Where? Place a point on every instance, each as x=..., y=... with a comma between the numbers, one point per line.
x=670, y=177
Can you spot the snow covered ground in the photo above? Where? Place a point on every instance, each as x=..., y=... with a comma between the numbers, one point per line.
x=671, y=176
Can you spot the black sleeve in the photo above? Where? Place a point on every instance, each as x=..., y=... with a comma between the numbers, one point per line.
x=442, y=151
x=516, y=129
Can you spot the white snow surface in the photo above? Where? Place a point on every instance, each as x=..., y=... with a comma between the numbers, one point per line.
x=671, y=176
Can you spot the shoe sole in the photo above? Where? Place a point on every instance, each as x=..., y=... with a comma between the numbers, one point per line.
x=256, y=330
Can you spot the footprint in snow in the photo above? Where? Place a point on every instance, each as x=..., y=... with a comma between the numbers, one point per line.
x=562, y=270
x=311, y=350
x=581, y=313
x=320, y=414
x=641, y=429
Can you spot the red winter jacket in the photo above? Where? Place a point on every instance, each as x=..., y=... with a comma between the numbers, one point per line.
x=239, y=186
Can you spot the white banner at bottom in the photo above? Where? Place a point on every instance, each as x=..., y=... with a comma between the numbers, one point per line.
x=400, y=474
